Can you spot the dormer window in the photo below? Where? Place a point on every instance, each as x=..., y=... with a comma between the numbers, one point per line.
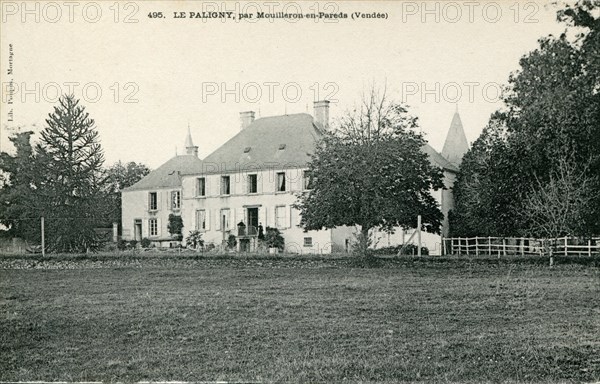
x=281, y=147
x=247, y=149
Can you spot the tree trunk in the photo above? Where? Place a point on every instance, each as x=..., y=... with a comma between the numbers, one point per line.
x=364, y=242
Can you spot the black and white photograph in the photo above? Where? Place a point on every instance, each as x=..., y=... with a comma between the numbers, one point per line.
x=299, y=191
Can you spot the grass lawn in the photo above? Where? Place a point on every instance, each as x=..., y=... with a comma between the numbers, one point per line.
x=309, y=320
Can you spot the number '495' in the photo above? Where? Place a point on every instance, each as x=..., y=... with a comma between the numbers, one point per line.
x=155, y=15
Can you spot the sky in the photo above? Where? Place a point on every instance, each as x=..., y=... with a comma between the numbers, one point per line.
x=145, y=79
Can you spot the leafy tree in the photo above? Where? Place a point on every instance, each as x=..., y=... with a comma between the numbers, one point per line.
x=69, y=161
x=552, y=113
x=484, y=190
x=17, y=180
x=372, y=172
x=117, y=177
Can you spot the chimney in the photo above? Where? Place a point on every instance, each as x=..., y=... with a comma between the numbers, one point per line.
x=246, y=119
x=321, y=113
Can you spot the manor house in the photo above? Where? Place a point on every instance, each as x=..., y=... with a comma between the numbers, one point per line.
x=253, y=179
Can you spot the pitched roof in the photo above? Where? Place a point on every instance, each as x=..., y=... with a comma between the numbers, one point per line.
x=456, y=144
x=437, y=159
x=273, y=142
x=270, y=142
x=166, y=176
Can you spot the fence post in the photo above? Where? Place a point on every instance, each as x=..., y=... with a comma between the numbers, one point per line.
x=566, y=246
x=476, y=246
x=504, y=246
x=489, y=245
x=590, y=247
x=419, y=234
x=43, y=238
x=467, y=245
x=522, y=246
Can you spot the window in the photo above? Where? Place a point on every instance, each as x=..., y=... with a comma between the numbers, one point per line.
x=201, y=220
x=201, y=186
x=280, y=216
x=225, y=185
x=307, y=180
x=252, y=184
x=153, y=225
x=308, y=242
x=175, y=200
x=153, y=201
x=281, y=182
x=225, y=219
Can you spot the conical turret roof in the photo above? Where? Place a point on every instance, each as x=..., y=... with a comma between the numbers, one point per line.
x=456, y=144
x=188, y=140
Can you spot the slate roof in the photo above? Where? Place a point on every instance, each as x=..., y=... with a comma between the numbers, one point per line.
x=166, y=175
x=456, y=144
x=437, y=159
x=269, y=142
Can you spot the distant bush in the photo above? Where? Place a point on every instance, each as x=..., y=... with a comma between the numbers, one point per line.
x=146, y=243
x=133, y=243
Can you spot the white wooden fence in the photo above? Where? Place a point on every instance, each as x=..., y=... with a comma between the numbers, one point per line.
x=505, y=246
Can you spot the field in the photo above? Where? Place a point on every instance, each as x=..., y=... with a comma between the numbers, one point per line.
x=299, y=320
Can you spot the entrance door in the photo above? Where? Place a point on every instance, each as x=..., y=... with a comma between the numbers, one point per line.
x=137, y=230
x=252, y=221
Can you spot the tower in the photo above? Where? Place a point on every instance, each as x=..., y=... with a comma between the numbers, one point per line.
x=190, y=148
x=456, y=144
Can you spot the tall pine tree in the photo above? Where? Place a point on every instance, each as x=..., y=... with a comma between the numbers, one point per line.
x=69, y=159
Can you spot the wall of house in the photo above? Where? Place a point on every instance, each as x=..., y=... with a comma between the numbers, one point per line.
x=447, y=200
x=343, y=237
x=266, y=199
x=432, y=241
x=136, y=206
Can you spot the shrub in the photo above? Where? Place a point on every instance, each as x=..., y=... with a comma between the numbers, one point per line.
x=273, y=238
x=145, y=243
x=231, y=242
x=122, y=244
x=133, y=243
x=412, y=249
x=194, y=240
x=361, y=246
x=175, y=226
